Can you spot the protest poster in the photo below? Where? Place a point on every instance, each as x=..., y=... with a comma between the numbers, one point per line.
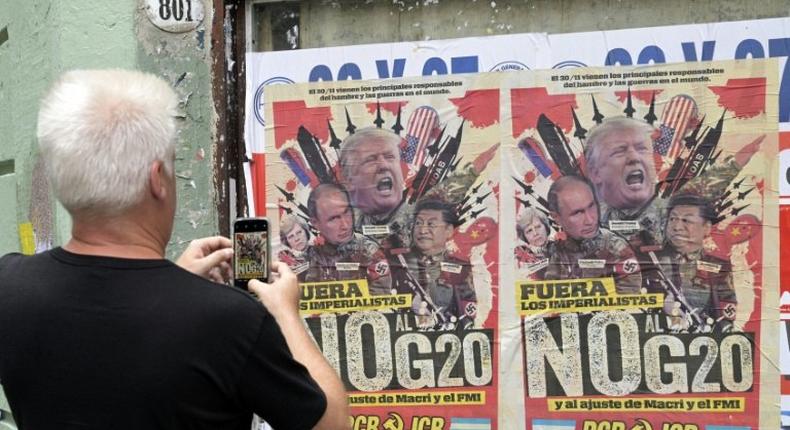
x=644, y=276
x=387, y=195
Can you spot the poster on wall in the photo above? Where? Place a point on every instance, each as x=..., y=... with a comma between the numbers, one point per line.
x=514, y=52
x=266, y=70
x=643, y=276
x=695, y=44
x=388, y=207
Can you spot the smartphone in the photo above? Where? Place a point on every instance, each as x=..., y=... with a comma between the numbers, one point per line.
x=251, y=251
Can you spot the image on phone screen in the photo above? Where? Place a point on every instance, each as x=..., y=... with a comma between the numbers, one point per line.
x=251, y=248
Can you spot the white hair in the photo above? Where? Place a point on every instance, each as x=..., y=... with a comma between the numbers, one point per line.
x=99, y=132
x=608, y=126
x=367, y=134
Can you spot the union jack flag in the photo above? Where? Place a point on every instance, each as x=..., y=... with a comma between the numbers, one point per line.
x=675, y=120
x=422, y=125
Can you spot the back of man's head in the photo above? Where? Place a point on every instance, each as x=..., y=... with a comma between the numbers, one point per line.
x=99, y=132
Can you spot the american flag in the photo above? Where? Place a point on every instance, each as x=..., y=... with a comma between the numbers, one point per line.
x=422, y=125
x=675, y=120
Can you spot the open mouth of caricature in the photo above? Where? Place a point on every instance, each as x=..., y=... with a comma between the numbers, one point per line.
x=384, y=184
x=636, y=177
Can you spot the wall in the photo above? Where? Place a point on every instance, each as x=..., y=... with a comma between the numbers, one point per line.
x=350, y=22
x=47, y=37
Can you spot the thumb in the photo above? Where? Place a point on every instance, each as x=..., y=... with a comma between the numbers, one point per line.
x=256, y=287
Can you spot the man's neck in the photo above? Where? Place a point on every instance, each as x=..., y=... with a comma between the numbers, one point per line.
x=380, y=217
x=625, y=212
x=690, y=254
x=433, y=253
x=116, y=237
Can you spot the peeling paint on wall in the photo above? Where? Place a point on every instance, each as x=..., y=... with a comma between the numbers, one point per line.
x=183, y=60
x=40, y=211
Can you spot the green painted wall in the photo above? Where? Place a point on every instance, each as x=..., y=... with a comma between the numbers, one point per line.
x=47, y=37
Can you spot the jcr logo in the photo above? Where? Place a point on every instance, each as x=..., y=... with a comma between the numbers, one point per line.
x=427, y=423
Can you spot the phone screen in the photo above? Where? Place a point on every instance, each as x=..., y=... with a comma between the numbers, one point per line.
x=251, y=251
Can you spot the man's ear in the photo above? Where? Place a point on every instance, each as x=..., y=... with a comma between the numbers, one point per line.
x=594, y=175
x=158, y=180
x=346, y=183
x=555, y=216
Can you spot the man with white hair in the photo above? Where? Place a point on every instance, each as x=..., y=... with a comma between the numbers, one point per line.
x=106, y=333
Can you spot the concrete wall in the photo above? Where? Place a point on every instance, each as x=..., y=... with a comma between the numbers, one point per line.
x=47, y=37
x=348, y=22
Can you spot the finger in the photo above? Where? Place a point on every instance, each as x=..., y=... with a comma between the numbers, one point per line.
x=213, y=243
x=276, y=266
x=226, y=270
x=256, y=287
x=282, y=269
x=216, y=258
x=214, y=275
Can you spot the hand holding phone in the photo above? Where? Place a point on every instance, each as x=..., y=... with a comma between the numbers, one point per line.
x=251, y=251
x=209, y=257
x=281, y=295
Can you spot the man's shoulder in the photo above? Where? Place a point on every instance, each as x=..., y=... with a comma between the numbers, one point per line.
x=364, y=244
x=706, y=256
x=211, y=293
x=12, y=259
x=561, y=246
x=714, y=263
x=457, y=259
x=19, y=265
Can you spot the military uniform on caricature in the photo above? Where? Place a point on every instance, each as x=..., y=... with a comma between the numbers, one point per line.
x=448, y=282
x=644, y=227
x=701, y=280
x=390, y=231
x=359, y=258
x=396, y=224
x=705, y=282
x=605, y=255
